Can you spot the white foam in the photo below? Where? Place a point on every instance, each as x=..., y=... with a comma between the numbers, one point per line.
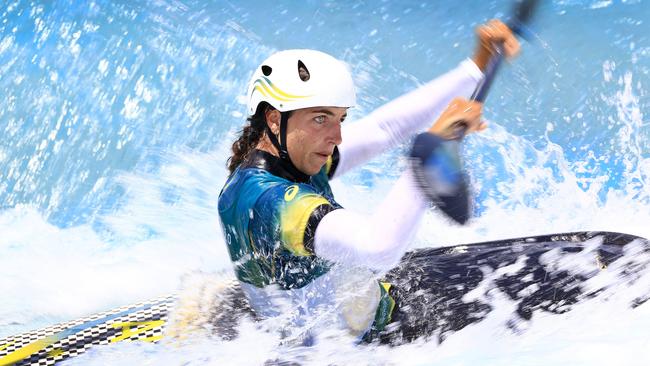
x=168, y=227
x=49, y=274
x=538, y=200
x=601, y=331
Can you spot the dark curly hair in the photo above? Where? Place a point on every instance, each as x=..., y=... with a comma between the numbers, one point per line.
x=250, y=136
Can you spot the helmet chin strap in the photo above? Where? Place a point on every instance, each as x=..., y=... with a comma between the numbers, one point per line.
x=284, y=150
x=282, y=145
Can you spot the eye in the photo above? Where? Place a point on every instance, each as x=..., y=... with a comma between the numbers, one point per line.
x=320, y=119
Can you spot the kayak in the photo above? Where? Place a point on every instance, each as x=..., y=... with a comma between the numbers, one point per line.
x=139, y=322
x=432, y=289
x=437, y=287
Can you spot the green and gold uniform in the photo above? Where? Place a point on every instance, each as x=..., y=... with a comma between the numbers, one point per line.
x=269, y=213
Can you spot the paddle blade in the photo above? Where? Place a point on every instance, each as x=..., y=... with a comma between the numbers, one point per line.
x=438, y=172
x=521, y=15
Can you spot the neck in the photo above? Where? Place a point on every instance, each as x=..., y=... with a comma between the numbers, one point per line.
x=273, y=164
x=265, y=145
x=285, y=166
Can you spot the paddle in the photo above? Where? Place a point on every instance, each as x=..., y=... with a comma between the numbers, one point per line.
x=437, y=166
x=522, y=14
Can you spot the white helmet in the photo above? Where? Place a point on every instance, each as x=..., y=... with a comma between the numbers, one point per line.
x=295, y=79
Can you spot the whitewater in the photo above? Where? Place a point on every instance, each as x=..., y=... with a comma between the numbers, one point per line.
x=116, y=122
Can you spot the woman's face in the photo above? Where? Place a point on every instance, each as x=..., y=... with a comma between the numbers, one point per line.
x=312, y=134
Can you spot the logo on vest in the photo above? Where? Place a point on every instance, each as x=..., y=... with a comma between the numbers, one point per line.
x=290, y=193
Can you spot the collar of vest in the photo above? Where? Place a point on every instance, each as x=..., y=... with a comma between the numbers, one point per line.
x=276, y=166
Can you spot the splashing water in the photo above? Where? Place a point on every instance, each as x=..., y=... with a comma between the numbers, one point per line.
x=116, y=123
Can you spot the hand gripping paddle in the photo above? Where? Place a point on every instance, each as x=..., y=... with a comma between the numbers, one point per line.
x=436, y=162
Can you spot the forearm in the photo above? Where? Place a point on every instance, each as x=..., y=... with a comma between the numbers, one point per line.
x=377, y=241
x=396, y=121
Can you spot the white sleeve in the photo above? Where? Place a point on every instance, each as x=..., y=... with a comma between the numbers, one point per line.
x=379, y=241
x=394, y=122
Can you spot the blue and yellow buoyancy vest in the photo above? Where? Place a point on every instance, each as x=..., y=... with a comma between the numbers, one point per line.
x=269, y=213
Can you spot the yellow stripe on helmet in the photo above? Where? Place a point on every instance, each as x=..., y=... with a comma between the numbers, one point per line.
x=283, y=93
x=259, y=89
x=266, y=87
x=269, y=92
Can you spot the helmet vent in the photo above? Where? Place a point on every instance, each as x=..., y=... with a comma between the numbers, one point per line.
x=303, y=73
x=266, y=70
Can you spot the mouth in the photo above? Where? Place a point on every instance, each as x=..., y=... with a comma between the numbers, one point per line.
x=323, y=155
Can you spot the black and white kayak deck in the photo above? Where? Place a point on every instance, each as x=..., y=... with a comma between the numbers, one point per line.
x=437, y=280
x=139, y=322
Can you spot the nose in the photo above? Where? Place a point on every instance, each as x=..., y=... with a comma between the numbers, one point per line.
x=335, y=134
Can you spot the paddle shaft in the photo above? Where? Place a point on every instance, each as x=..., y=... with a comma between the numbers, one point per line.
x=522, y=14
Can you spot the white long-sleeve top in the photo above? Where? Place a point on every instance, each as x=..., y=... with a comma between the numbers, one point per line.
x=378, y=241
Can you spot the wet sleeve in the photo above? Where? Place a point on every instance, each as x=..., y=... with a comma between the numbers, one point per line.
x=376, y=241
x=400, y=119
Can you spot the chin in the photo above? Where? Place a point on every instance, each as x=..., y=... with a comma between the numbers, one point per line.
x=313, y=170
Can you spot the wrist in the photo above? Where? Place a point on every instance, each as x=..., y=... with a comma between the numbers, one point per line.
x=481, y=57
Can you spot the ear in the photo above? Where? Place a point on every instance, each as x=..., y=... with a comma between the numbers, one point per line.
x=273, y=117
